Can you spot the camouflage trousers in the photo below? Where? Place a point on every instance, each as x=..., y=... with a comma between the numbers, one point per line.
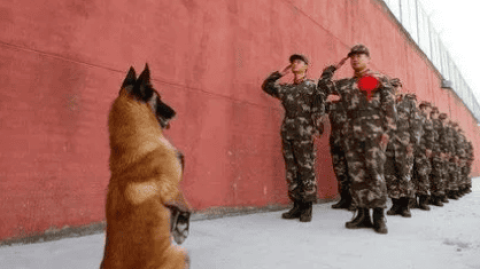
x=468, y=178
x=437, y=184
x=398, y=171
x=366, y=161
x=462, y=174
x=339, y=161
x=421, y=174
x=451, y=176
x=300, y=169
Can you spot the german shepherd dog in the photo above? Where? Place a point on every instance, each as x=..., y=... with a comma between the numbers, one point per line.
x=145, y=206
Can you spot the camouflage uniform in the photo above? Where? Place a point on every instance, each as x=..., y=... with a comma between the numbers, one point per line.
x=423, y=166
x=451, y=166
x=399, y=163
x=339, y=124
x=444, y=143
x=437, y=182
x=470, y=158
x=461, y=147
x=367, y=121
x=304, y=111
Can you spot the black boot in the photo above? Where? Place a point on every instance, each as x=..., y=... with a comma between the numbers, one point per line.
x=395, y=210
x=423, y=202
x=444, y=198
x=345, y=200
x=437, y=200
x=413, y=202
x=306, y=212
x=405, y=207
x=362, y=220
x=294, y=212
x=352, y=207
x=379, y=221
x=452, y=195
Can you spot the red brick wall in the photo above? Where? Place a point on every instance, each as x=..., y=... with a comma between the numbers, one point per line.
x=62, y=63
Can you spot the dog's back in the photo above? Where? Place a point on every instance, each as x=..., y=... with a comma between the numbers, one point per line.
x=144, y=184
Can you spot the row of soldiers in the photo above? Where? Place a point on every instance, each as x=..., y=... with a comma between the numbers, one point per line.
x=428, y=161
x=367, y=131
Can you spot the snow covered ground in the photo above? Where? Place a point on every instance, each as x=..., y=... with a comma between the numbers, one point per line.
x=443, y=238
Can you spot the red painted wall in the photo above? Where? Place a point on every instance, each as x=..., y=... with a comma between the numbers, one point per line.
x=62, y=63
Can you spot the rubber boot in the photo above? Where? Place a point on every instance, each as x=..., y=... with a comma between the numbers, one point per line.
x=361, y=220
x=423, y=202
x=379, y=221
x=294, y=212
x=437, y=200
x=405, y=207
x=345, y=200
x=395, y=210
x=306, y=212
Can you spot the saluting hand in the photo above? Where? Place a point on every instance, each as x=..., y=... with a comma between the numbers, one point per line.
x=337, y=66
x=286, y=70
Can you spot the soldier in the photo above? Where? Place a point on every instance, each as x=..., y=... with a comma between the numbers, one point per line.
x=445, y=156
x=399, y=162
x=304, y=112
x=423, y=155
x=470, y=158
x=370, y=103
x=454, y=148
x=436, y=177
x=338, y=136
x=462, y=161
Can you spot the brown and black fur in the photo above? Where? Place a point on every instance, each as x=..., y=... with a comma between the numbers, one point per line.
x=145, y=205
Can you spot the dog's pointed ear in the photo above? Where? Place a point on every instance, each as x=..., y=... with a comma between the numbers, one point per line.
x=130, y=79
x=143, y=88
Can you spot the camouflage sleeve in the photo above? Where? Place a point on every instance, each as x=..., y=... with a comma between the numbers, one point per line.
x=444, y=143
x=429, y=135
x=415, y=124
x=326, y=83
x=387, y=98
x=271, y=87
x=318, y=109
x=452, y=141
x=461, y=146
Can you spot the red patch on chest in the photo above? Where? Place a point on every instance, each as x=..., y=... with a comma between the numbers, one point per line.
x=367, y=85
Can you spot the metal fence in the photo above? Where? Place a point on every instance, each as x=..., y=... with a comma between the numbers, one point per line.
x=417, y=23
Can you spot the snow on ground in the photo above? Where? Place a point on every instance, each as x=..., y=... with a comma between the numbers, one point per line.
x=443, y=238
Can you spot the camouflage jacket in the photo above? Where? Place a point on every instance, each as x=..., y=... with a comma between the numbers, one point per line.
x=336, y=111
x=444, y=139
x=461, y=146
x=304, y=107
x=366, y=118
x=408, y=121
x=437, y=131
x=451, y=137
x=427, y=141
x=469, y=151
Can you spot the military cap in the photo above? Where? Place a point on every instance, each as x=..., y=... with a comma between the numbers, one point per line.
x=396, y=82
x=298, y=56
x=454, y=124
x=443, y=116
x=359, y=49
x=435, y=109
x=425, y=104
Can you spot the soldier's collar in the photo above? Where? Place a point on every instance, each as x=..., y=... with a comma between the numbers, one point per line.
x=300, y=81
x=362, y=74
